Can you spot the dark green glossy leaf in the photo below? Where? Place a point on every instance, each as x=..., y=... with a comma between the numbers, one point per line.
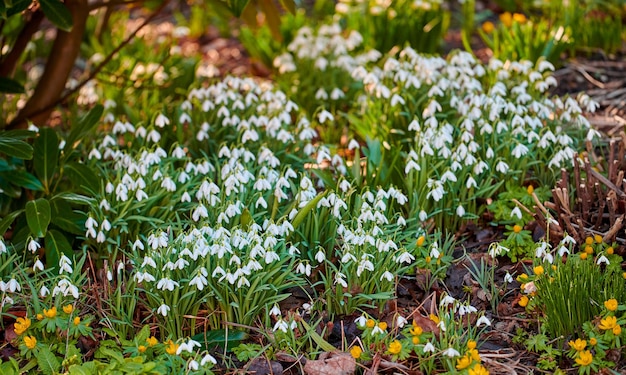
x=10, y=86
x=38, y=216
x=65, y=218
x=56, y=245
x=57, y=13
x=24, y=179
x=220, y=338
x=46, y=155
x=82, y=176
x=18, y=7
x=6, y=222
x=83, y=127
x=16, y=148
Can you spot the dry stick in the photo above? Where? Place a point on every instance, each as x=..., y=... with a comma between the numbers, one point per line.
x=619, y=223
x=610, y=200
x=608, y=183
x=612, y=160
x=599, y=198
x=104, y=62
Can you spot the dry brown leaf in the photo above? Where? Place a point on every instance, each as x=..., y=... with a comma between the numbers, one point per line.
x=335, y=363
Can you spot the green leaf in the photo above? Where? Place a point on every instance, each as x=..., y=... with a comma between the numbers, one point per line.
x=6, y=222
x=18, y=7
x=74, y=198
x=220, y=337
x=18, y=134
x=46, y=155
x=306, y=209
x=83, y=127
x=16, y=148
x=82, y=176
x=57, y=13
x=48, y=363
x=237, y=6
x=10, y=86
x=56, y=245
x=319, y=340
x=24, y=179
x=38, y=216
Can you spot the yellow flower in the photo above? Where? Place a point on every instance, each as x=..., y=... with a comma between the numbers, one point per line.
x=370, y=323
x=578, y=345
x=506, y=18
x=589, y=250
x=478, y=370
x=584, y=358
x=152, y=341
x=519, y=18
x=538, y=270
x=68, y=309
x=141, y=348
x=624, y=275
x=428, y=259
x=30, y=342
x=593, y=341
x=21, y=325
x=395, y=347
x=474, y=354
x=610, y=251
x=597, y=238
x=607, y=323
x=463, y=362
x=471, y=344
x=611, y=304
x=530, y=189
x=39, y=316
x=617, y=330
x=488, y=27
x=416, y=330
x=415, y=340
x=434, y=318
x=583, y=256
x=588, y=241
x=171, y=347
x=356, y=352
x=420, y=241
x=523, y=301
x=517, y=228
x=382, y=325
x=522, y=277
x=50, y=313
x=77, y=320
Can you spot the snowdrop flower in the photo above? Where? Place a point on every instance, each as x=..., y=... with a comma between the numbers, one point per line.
x=163, y=309
x=33, y=246
x=65, y=264
x=429, y=348
x=38, y=266
x=13, y=286
x=360, y=321
x=563, y=250
x=460, y=211
x=208, y=359
x=44, y=291
x=451, y=352
x=387, y=275
x=508, y=278
x=377, y=330
x=325, y=116
x=193, y=365
x=423, y=215
x=281, y=325
x=603, y=260
x=401, y=321
x=447, y=300
x=483, y=320
x=275, y=311
x=516, y=212
x=353, y=145
x=320, y=256
x=3, y=247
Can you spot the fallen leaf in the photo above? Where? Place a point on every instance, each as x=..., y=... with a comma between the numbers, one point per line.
x=334, y=363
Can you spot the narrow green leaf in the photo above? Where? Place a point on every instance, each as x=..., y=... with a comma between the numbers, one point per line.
x=306, y=209
x=16, y=148
x=10, y=86
x=56, y=245
x=83, y=127
x=220, y=337
x=46, y=155
x=38, y=216
x=319, y=340
x=57, y=13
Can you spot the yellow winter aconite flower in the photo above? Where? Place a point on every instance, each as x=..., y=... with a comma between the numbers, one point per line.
x=589, y=250
x=382, y=325
x=152, y=341
x=488, y=27
x=51, y=314
x=519, y=18
x=415, y=340
x=478, y=370
x=610, y=251
x=611, y=304
x=356, y=352
x=141, y=348
x=607, y=323
x=30, y=342
x=517, y=228
x=68, y=309
x=530, y=189
x=21, y=325
x=583, y=256
x=617, y=330
x=507, y=19
x=171, y=347
x=463, y=362
x=597, y=238
x=370, y=323
x=39, y=316
x=578, y=345
x=77, y=320
x=584, y=358
x=395, y=347
x=593, y=341
x=471, y=344
x=523, y=301
x=434, y=318
x=474, y=354
x=420, y=241
x=588, y=240
x=538, y=270
x=416, y=330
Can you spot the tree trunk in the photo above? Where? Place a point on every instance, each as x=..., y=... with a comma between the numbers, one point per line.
x=58, y=68
x=7, y=65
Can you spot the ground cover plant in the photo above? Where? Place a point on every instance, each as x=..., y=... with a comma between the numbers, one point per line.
x=371, y=206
